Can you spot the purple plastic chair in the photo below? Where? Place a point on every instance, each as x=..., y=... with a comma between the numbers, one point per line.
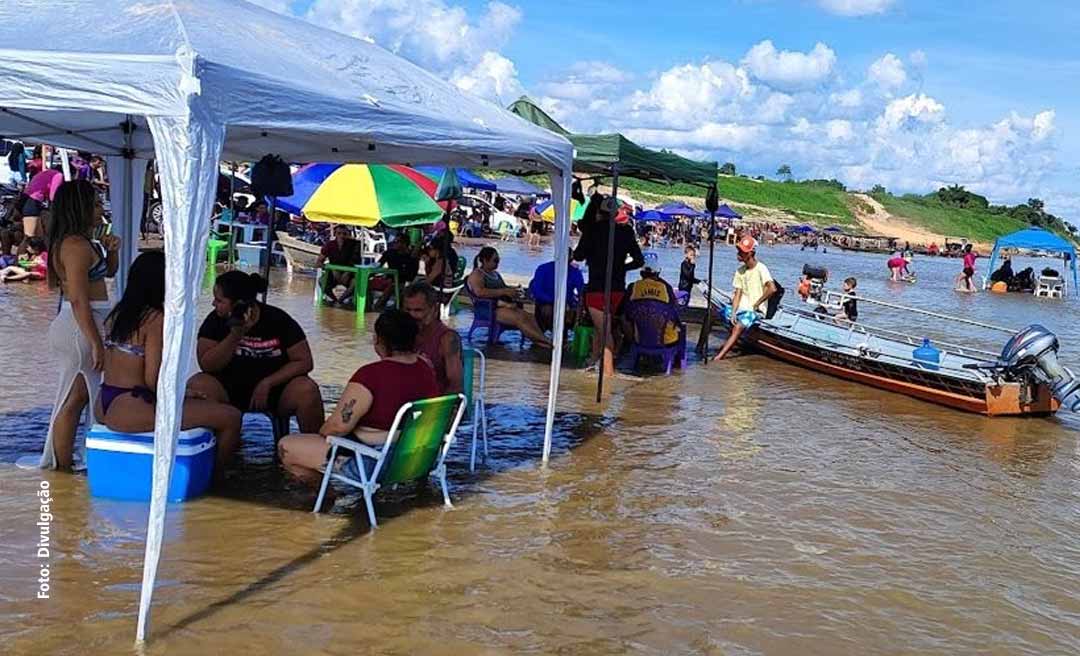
x=484, y=317
x=649, y=319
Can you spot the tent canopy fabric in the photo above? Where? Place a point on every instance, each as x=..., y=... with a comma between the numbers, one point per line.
x=1036, y=238
x=188, y=82
x=515, y=185
x=466, y=177
x=724, y=211
x=346, y=100
x=679, y=209
x=1042, y=240
x=654, y=216
x=598, y=153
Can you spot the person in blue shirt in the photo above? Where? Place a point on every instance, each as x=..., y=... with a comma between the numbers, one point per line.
x=542, y=290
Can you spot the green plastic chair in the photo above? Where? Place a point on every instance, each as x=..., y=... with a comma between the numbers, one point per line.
x=218, y=242
x=415, y=448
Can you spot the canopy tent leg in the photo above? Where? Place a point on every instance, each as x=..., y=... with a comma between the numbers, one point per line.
x=560, y=195
x=126, y=201
x=187, y=149
x=607, y=284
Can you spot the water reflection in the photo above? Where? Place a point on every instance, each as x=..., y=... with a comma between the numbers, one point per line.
x=677, y=515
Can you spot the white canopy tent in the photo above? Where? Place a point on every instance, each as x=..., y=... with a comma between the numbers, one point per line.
x=189, y=83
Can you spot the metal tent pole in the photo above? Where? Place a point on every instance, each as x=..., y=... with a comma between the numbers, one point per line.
x=607, y=281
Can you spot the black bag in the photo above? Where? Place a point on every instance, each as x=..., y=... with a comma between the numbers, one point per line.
x=271, y=177
x=773, y=303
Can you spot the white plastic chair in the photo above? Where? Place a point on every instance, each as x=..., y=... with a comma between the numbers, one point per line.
x=1050, y=287
x=412, y=451
x=474, y=395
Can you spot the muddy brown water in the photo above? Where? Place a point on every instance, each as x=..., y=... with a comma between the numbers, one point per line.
x=747, y=507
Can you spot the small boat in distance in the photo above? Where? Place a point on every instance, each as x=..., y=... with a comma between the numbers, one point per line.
x=300, y=256
x=1025, y=379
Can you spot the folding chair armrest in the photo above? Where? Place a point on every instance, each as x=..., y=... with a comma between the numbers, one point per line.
x=358, y=448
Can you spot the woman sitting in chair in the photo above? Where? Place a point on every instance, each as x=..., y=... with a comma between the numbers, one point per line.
x=133, y=343
x=371, y=399
x=486, y=283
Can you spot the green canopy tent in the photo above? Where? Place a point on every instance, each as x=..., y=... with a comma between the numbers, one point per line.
x=615, y=155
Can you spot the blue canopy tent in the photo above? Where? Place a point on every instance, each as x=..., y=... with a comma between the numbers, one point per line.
x=514, y=185
x=834, y=229
x=466, y=177
x=803, y=229
x=654, y=216
x=725, y=212
x=1037, y=239
x=679, y=209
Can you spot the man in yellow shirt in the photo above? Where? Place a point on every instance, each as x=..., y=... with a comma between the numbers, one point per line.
x=753, y=286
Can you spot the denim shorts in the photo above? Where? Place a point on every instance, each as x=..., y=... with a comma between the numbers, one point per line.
x=350, y=469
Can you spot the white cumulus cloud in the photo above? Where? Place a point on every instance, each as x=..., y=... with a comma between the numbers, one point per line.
x=787, y=69
x=910, y=112
x=493, y=77
x=888, y=72
x=856, y=7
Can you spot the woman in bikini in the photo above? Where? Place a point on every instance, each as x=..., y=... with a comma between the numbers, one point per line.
x=133, y=344
x=487, y=283
x=78, y=265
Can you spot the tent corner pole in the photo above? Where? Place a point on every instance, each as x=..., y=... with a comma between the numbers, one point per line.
x=607, y=286
x=560, y=195
x=706, y=324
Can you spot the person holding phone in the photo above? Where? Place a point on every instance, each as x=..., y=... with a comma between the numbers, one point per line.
x=256, y=356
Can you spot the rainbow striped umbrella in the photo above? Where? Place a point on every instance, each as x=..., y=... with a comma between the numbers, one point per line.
x=363, y=195
x=546, y=210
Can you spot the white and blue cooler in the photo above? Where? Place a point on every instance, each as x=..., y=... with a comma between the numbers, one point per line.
x=120, y=465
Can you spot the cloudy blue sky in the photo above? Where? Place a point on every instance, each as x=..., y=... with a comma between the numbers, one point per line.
x=911, y=94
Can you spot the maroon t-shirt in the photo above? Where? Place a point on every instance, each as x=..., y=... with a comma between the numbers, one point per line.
x=393, y=384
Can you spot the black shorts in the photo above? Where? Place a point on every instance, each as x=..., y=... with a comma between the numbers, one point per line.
x=32, y=207
x=968, y=272
x=240, y=395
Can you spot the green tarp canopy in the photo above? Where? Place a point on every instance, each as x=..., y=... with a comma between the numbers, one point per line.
x=598, y=153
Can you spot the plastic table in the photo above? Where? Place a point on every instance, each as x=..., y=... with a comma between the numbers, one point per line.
x=363, y=274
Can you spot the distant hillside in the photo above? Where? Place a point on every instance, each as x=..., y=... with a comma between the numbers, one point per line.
x=949, y=212
x=815, y=201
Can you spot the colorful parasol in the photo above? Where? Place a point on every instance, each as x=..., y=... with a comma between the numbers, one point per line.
x=363, y=195
x=546, y=210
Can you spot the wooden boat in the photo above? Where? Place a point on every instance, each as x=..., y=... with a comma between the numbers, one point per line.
x=1013, y=383
x=300, y=256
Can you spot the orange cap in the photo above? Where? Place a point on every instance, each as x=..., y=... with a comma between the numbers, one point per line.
x=747, y=244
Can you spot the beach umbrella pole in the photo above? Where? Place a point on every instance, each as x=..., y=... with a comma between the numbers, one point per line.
x=607, y=283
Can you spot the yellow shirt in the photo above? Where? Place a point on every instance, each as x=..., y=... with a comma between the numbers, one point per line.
x=752, y=283
x=651, y=289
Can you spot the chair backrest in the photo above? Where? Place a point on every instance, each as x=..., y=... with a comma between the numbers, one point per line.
x=483, y=308
x=650, y=319
x=420, y=437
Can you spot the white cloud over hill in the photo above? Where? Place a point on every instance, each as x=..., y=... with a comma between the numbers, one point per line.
x=772, y=106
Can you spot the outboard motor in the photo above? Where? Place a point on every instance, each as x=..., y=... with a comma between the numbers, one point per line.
x=818, y=276
x=1034, y=349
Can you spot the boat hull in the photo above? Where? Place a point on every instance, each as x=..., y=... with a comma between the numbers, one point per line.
x=1005, y=399
x=299, y=255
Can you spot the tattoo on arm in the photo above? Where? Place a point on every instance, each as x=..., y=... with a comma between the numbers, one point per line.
x=455, y=345
x=347, y=411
